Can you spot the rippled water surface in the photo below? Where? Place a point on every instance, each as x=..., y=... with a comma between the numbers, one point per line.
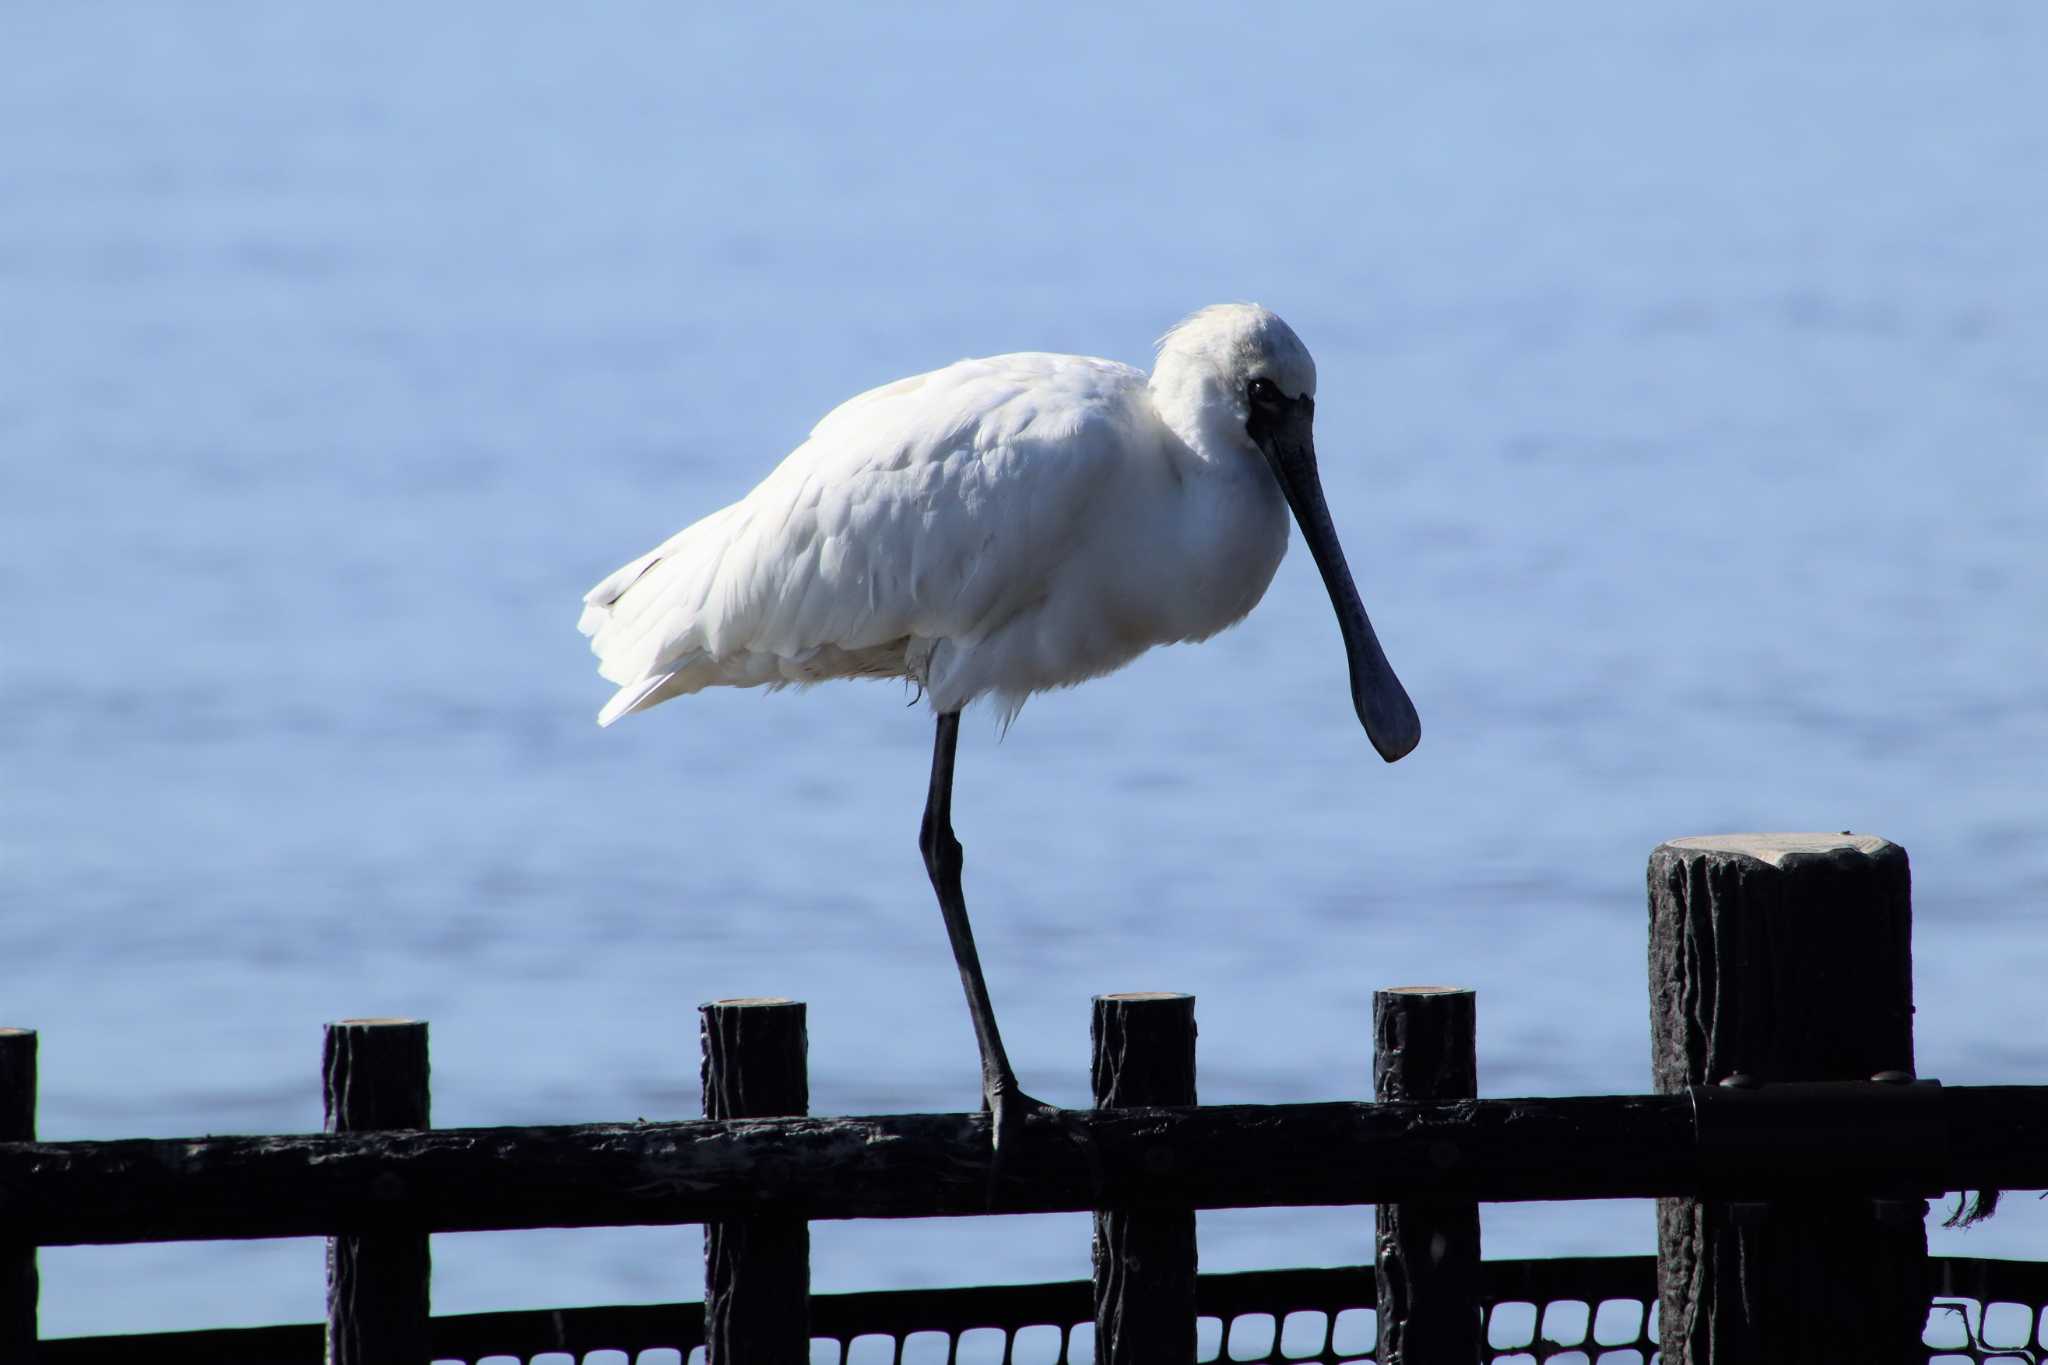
x=1682, y=406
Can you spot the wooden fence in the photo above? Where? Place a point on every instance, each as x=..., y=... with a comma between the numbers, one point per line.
x=1790, y=1143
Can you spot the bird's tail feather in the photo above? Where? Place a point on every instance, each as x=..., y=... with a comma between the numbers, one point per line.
x=637, y=696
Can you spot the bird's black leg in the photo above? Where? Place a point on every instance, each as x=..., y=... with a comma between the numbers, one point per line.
x=1007, y=1104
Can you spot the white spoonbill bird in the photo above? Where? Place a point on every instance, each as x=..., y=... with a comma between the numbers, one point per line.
x=997, y=528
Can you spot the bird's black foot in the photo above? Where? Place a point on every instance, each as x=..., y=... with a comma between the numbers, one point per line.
x=1011, y=1108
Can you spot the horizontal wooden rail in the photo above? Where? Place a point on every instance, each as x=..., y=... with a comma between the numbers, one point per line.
x=926, y=1165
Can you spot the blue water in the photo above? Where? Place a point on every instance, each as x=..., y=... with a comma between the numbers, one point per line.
x=1682, y=407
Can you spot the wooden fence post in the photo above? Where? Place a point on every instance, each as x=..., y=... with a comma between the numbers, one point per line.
x=374, y=1074
x=1784, y=957
x=1426, y=1256
x=1144, y=1054
x=19, y=1287
x=757, y=1271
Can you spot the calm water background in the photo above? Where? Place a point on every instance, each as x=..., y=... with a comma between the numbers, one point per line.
x=1682, y=407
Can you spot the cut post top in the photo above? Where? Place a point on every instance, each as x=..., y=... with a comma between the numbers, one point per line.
x=1146, y=995
x=379, y=1021
x=1426, y=990
x=1775, y=848
x=754, y=1057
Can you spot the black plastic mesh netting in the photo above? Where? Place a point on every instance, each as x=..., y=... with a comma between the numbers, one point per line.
x=1574, y=1311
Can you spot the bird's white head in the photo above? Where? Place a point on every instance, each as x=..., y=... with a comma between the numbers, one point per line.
x=1235, y=378
x=1207, y=365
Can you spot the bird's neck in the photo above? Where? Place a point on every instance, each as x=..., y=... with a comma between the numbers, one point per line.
x=1195, y=407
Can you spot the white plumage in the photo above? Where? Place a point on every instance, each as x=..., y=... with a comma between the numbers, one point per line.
x=992, y=529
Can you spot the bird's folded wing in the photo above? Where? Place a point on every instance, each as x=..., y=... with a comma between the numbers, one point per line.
x=933, y=508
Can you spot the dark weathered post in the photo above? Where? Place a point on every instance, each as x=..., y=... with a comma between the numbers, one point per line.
x=757, y=1271
x=375, y=1076
x=1425, y=1050
x=1144, y=1054
x=18, y=1284
x=1784, y=957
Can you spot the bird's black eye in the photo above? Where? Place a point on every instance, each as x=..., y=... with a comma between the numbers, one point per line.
x=1265, y=391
